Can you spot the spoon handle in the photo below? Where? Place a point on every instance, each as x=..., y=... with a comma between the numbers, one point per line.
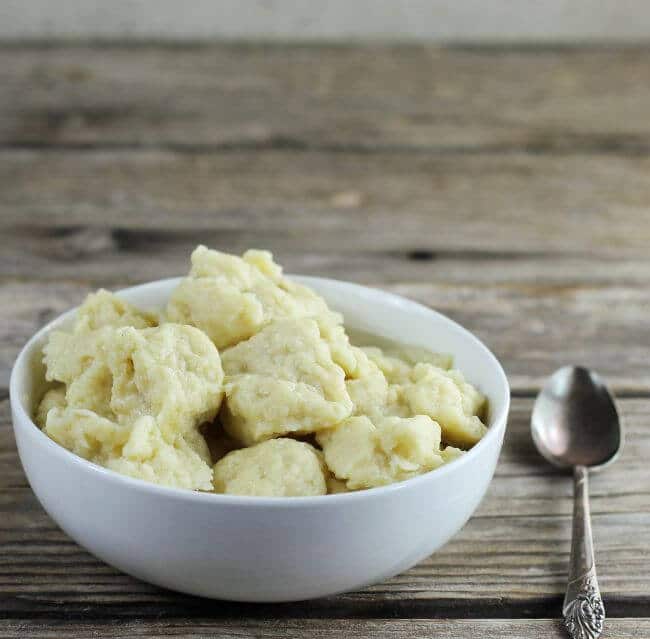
x=583, y=610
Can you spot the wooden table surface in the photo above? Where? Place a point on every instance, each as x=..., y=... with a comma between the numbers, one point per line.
x=508, y=188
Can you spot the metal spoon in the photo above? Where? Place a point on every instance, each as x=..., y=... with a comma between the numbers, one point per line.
x=575, y=425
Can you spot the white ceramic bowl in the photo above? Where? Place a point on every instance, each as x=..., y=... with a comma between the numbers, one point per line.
x=267, y=549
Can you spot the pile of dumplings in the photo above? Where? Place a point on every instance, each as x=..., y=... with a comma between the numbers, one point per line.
x=247, y=384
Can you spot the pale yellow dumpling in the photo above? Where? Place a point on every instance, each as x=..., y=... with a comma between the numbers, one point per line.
x=79, y=358
x=367, y=386
x=283, y=380
x=276, y=468
x=231, y=298
x=53, y=398
x=429, y=387
x=133, y=398
x=447, y=398
x=397, y=363
x=102, y=308
x=450, y=453
x=366, y=454
x=172, y=372
x=140, y=451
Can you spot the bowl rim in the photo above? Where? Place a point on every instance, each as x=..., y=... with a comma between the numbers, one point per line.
x=23, y=420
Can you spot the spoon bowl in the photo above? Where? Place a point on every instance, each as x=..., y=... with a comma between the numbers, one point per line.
x=575, y=421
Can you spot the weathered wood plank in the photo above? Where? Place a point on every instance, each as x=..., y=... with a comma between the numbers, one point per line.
x=108, y=256
x=372, y=97
x=534, y=324
x=316, y=628
x=519, y=203
x=509, y=560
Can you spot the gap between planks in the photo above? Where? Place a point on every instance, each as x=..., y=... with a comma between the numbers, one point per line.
x=619, y=147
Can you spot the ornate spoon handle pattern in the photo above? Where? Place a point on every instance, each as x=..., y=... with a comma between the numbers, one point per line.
x=584, y=613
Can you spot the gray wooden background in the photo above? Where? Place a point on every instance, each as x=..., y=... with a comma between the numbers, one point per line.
x=507, y=187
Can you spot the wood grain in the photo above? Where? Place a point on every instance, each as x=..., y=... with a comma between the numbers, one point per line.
x=112, y=255
x=318, y=629
x=509, y=561
x=518, y=203
x=368, y=97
